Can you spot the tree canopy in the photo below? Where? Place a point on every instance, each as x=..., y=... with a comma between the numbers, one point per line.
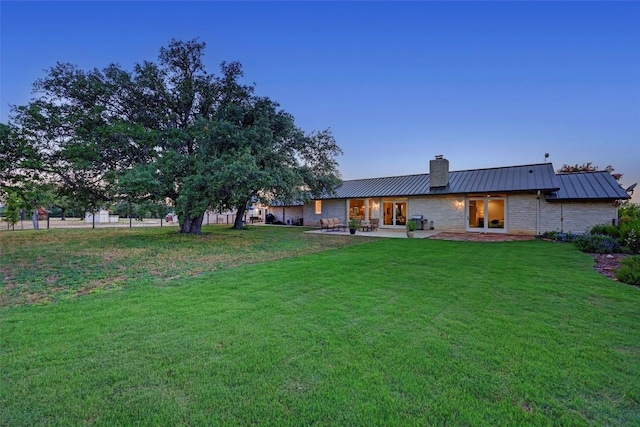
x=171, y=131
x=588, y=167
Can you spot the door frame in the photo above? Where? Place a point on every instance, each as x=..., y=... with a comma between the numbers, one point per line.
x=485, y=223
x=394, y=203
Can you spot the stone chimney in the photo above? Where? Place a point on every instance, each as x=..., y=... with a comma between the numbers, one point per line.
x=438, y=172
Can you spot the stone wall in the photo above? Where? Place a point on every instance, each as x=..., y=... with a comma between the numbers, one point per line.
x=521, y=214
x=576, y=217
x=330, y=209
x=446, y=212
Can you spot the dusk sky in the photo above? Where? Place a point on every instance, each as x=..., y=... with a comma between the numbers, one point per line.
x=486, y=84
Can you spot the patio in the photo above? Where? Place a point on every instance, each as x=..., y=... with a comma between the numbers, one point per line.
x=431, y=234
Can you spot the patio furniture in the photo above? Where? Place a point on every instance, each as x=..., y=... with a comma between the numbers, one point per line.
x=332, y=224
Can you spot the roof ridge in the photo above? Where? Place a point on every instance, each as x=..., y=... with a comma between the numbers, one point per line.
x=581, y=172
x=456, y=171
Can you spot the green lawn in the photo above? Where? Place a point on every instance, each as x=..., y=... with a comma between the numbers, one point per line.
x=271, y=327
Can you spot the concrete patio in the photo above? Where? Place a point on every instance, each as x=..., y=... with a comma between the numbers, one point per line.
x=430, y=234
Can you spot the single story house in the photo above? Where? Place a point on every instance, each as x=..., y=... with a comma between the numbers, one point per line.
x=525, y=199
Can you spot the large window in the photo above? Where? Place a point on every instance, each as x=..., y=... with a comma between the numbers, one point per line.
x=318, y=207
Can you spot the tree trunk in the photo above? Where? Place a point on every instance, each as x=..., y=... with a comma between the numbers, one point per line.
x=191, y=225
x=238, y=224
x=64, y=214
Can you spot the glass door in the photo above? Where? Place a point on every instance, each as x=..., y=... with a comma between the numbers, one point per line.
x=486, y=214
x=475, y=213
x=394, y=213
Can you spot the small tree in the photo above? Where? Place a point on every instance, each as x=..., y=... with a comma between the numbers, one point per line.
x=12, y=211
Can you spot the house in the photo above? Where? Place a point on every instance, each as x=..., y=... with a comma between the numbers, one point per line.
x=43, y=213
x=525, y=199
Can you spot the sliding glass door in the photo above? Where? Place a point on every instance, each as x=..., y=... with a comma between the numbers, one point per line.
x=486, y=214
x=394, y=213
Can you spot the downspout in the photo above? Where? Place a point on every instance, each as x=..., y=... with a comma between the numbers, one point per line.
x=538, y=214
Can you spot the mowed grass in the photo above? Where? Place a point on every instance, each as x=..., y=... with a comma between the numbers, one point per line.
x=388, y=332
x=44, y=266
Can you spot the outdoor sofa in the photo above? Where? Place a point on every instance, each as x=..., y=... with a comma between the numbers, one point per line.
x=332, y=224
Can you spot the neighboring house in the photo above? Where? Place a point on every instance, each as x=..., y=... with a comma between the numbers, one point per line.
x=526, y=199
x=43, y=213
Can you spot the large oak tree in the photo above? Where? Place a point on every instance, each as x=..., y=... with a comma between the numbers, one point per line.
x=170, y=130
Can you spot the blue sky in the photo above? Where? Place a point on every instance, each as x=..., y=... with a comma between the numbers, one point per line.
x=485, y=84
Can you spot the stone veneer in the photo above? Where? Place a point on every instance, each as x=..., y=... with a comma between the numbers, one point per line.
x=438, y=172
x=335, y=208
x=448, y=213
x=576, y=217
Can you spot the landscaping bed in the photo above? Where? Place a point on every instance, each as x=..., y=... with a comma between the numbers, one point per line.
x=606, y=264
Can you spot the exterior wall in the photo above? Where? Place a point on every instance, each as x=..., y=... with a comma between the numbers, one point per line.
x=446, y=212
x=330, y=209
x=521, y=214
x=576, y=217
x=287, y=214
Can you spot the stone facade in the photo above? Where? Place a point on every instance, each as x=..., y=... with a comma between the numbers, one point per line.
x=448, y=213
x=521, y=214
x=438, y=172
x=576, y=217
x=330, y=209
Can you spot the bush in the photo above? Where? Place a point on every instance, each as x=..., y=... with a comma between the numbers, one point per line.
x=559, y=236
x=632, y=240
x=629, y=211
x=597, y=243
x=629, y=271
x=626, y=226
x=606, y=229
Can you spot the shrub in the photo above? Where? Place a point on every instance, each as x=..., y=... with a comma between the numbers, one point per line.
x=606, y=229
x=629, y=271
x=629, y=211
x=559, y=236
x=626, y=225
x=597, y=243
x=632, y=240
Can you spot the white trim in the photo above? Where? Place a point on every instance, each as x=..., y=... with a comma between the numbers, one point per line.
x=485, y=223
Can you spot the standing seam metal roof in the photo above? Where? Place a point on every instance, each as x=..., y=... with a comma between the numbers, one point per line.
x=495, y=180
x=598, y=185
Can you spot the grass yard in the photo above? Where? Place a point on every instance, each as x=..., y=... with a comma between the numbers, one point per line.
x=275, y=327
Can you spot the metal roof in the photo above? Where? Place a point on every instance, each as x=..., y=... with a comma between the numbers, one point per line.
x=494, y=180
x=588, y=186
